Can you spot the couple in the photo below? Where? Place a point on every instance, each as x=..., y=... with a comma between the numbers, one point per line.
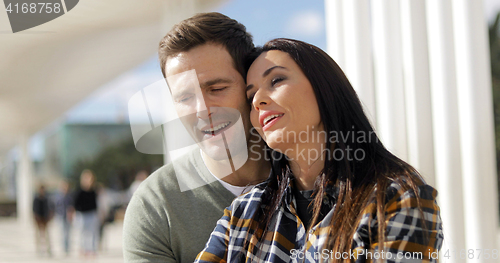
x=329, y=190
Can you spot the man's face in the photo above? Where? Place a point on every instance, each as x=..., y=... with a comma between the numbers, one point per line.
x=211, y=110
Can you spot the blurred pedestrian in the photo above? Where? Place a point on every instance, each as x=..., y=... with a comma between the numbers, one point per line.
x=139, y=178
x=85, y=204
x=43, y=213
x=103, y=211
x=65, y=212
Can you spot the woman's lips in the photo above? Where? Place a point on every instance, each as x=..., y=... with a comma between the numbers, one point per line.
x=268, y=123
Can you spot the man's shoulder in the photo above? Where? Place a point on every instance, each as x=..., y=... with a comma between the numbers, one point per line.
x=163, y=178
x=178, y=182
x=166, y=177
x=163, y=217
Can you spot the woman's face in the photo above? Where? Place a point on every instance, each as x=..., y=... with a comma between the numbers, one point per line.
x=284, y=108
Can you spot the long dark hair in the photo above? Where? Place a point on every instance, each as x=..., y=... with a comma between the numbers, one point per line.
x=360, y=181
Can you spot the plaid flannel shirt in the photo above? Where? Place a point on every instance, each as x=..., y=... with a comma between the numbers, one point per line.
x=287, y=240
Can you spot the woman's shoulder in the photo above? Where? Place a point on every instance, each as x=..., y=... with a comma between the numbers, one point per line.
x=400, y=195
x=250, y=201
x=401, y=188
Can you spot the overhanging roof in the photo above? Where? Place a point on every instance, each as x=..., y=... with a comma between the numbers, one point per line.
x=47, y=69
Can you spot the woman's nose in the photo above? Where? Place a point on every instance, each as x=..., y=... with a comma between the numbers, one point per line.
x=260, y=99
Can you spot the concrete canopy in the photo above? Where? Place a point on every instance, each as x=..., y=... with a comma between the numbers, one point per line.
x=47, y=69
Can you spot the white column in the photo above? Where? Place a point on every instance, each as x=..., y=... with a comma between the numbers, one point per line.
x=445, y=123
x=387, y=57
x=358, y=64
x=24, y=186
x=334, y=24
x=3, y=178
x=476, y=125
x=417, y=88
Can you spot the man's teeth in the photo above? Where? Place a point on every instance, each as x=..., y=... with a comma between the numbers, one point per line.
x=217, y=128
x=270, y=117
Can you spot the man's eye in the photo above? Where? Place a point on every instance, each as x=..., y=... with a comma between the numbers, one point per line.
x=276, y=80
x=184, y=99
x=218, y=89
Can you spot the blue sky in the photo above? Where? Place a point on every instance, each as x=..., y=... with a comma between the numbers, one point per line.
x=266, y=20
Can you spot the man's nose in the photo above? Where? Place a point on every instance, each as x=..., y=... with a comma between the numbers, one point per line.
x=203, y=108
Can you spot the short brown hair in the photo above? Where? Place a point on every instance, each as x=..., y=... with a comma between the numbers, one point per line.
x=207, y=28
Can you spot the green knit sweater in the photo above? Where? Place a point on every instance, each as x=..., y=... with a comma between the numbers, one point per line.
x=163, y=224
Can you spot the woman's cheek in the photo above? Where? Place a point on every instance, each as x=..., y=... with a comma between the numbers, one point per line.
x=254, y=118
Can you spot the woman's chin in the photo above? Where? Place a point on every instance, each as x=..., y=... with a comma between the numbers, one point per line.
x=280, y=147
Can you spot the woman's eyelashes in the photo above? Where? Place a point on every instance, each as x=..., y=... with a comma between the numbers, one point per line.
x=276, y=80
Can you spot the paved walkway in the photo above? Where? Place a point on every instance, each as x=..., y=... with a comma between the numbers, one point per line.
x=17, y=244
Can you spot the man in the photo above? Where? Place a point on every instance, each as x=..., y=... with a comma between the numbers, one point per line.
x=163, y=222
x=85, y=204
x=65, y=212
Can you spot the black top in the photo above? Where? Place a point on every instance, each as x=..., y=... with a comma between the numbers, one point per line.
x=41, y=206
x=304, y=211
x=85, y=201
x=304, y=200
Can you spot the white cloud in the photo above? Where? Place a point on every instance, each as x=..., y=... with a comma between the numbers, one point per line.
x=308, y=23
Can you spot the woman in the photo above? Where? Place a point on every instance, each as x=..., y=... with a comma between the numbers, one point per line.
x=43, y=213
x=337, y=186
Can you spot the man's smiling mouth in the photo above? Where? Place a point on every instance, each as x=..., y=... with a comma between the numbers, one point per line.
x=215, y=130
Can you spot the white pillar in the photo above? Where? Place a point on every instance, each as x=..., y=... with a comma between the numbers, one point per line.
x=358, y=64
x=3, y=178
x=24, y=186
x=417, y=88
x=387, y=57
x=334, y=20
x=476, y=125
x=452, y=119
x=445, y=124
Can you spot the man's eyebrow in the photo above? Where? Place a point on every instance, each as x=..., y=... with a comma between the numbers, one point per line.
x=211, y=82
